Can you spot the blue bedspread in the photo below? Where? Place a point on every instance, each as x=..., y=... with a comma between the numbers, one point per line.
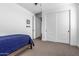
x=11, y=43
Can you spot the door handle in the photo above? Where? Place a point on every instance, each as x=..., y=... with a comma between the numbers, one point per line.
x=68, y=31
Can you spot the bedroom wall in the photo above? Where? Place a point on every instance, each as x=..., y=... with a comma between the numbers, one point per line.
x=13, y=19
x=73, y=18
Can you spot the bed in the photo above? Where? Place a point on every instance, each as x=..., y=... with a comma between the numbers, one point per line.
x=10, y=44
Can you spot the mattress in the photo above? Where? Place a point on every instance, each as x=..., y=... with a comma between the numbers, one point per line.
x=11, y=43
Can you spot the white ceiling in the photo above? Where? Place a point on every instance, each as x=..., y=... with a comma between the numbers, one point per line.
x=31, y=7
x=42, y=6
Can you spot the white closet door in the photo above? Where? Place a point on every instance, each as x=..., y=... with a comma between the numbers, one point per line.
x=51, y=27
x=57, y=27
x=62, y=26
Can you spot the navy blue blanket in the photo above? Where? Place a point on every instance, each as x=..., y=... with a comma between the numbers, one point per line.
x=11, y=43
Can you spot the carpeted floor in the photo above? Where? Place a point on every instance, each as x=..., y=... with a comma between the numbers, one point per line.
x=45, y=48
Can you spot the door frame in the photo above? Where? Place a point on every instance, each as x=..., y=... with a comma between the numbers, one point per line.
x=33, y=27
x=69, y=27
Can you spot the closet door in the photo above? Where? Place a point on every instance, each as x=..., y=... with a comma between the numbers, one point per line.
x=51, y=27
x=57, y=27
x=62, y=26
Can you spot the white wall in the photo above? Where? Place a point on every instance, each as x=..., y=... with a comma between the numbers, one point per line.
x=38, y=27
x=13, y=19
x=73, y=21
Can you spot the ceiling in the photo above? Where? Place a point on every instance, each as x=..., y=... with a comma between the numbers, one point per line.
x=31, y=7
x=42, y=6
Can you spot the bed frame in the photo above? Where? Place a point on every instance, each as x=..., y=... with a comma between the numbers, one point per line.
x=20, y=50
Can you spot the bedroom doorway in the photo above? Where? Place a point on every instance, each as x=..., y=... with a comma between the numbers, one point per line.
x=38, y=26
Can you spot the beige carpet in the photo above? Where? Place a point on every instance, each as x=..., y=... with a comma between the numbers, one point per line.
x=43, y=48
